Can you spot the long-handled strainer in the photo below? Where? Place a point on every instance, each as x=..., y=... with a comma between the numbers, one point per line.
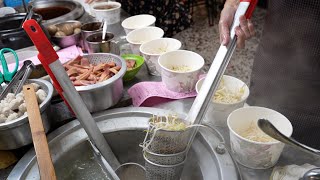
x=62, y=83
x=199, y=107
x=217, y=69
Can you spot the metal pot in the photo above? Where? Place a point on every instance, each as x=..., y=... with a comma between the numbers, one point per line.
x=17, y=133
x=11, y=32
x=124, y=130
x=57, y=11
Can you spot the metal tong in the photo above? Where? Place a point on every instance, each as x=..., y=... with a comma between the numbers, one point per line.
x=24, y=72
x=216, y=71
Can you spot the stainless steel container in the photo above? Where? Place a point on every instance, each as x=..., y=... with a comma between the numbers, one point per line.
x=87, y=30
x=124, y=129
x=17, y=133
x=96, y=45
x=57, y=11
x=67, y=41
x=104, y=94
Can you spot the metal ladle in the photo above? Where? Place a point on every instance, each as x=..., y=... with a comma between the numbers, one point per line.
x=313, y=174
x=267, y=127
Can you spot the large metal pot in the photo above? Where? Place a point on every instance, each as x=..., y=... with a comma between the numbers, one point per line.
x=57, y=11
x=124, y=130
x=17, y=133
x=12, y=35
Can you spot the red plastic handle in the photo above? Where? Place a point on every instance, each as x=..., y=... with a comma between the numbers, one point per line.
x=40, y=40
x=47, y=54
x=252, y=6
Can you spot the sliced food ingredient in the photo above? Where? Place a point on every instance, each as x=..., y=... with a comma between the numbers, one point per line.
x=227, y=95
x=131, y=64
x=82, y=73
x=254, y=133
x=13, y=106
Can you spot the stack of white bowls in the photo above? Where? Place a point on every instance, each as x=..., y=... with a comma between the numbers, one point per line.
x=147, y=40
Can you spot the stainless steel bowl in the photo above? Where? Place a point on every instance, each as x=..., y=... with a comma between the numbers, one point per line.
x=17, y=133
x=66, y=41
x=52, y=13
x=104, y=94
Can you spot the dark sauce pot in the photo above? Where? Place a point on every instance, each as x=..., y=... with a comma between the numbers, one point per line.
x=12, y=35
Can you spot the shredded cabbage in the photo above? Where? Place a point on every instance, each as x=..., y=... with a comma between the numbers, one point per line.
x=225, y=95
x=254, y=133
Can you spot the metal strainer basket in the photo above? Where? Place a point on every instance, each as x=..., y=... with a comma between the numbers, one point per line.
x=102, y=95
x=165, y=159
x=169, y=142
x=156, y=171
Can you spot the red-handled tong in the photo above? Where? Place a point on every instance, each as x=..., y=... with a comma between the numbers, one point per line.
x=62, y=83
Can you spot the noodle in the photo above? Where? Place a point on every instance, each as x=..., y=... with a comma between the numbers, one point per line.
x=225, y=95
x=254, y=133
x=182, y=68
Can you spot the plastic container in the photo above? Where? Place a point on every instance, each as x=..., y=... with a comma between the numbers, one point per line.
x=130, y=74
x=14, y=3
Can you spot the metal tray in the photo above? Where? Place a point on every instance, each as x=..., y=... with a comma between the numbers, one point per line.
x=124, y=130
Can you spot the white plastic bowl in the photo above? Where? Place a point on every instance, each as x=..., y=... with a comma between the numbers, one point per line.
x=140, y=36
x=112, y=16
x=152, y=50
x=256, y=155
x=180, y=81
x=218, y=113
x=137, y=22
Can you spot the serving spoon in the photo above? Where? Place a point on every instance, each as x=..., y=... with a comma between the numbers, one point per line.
x=313, y=174
x=267, y=127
